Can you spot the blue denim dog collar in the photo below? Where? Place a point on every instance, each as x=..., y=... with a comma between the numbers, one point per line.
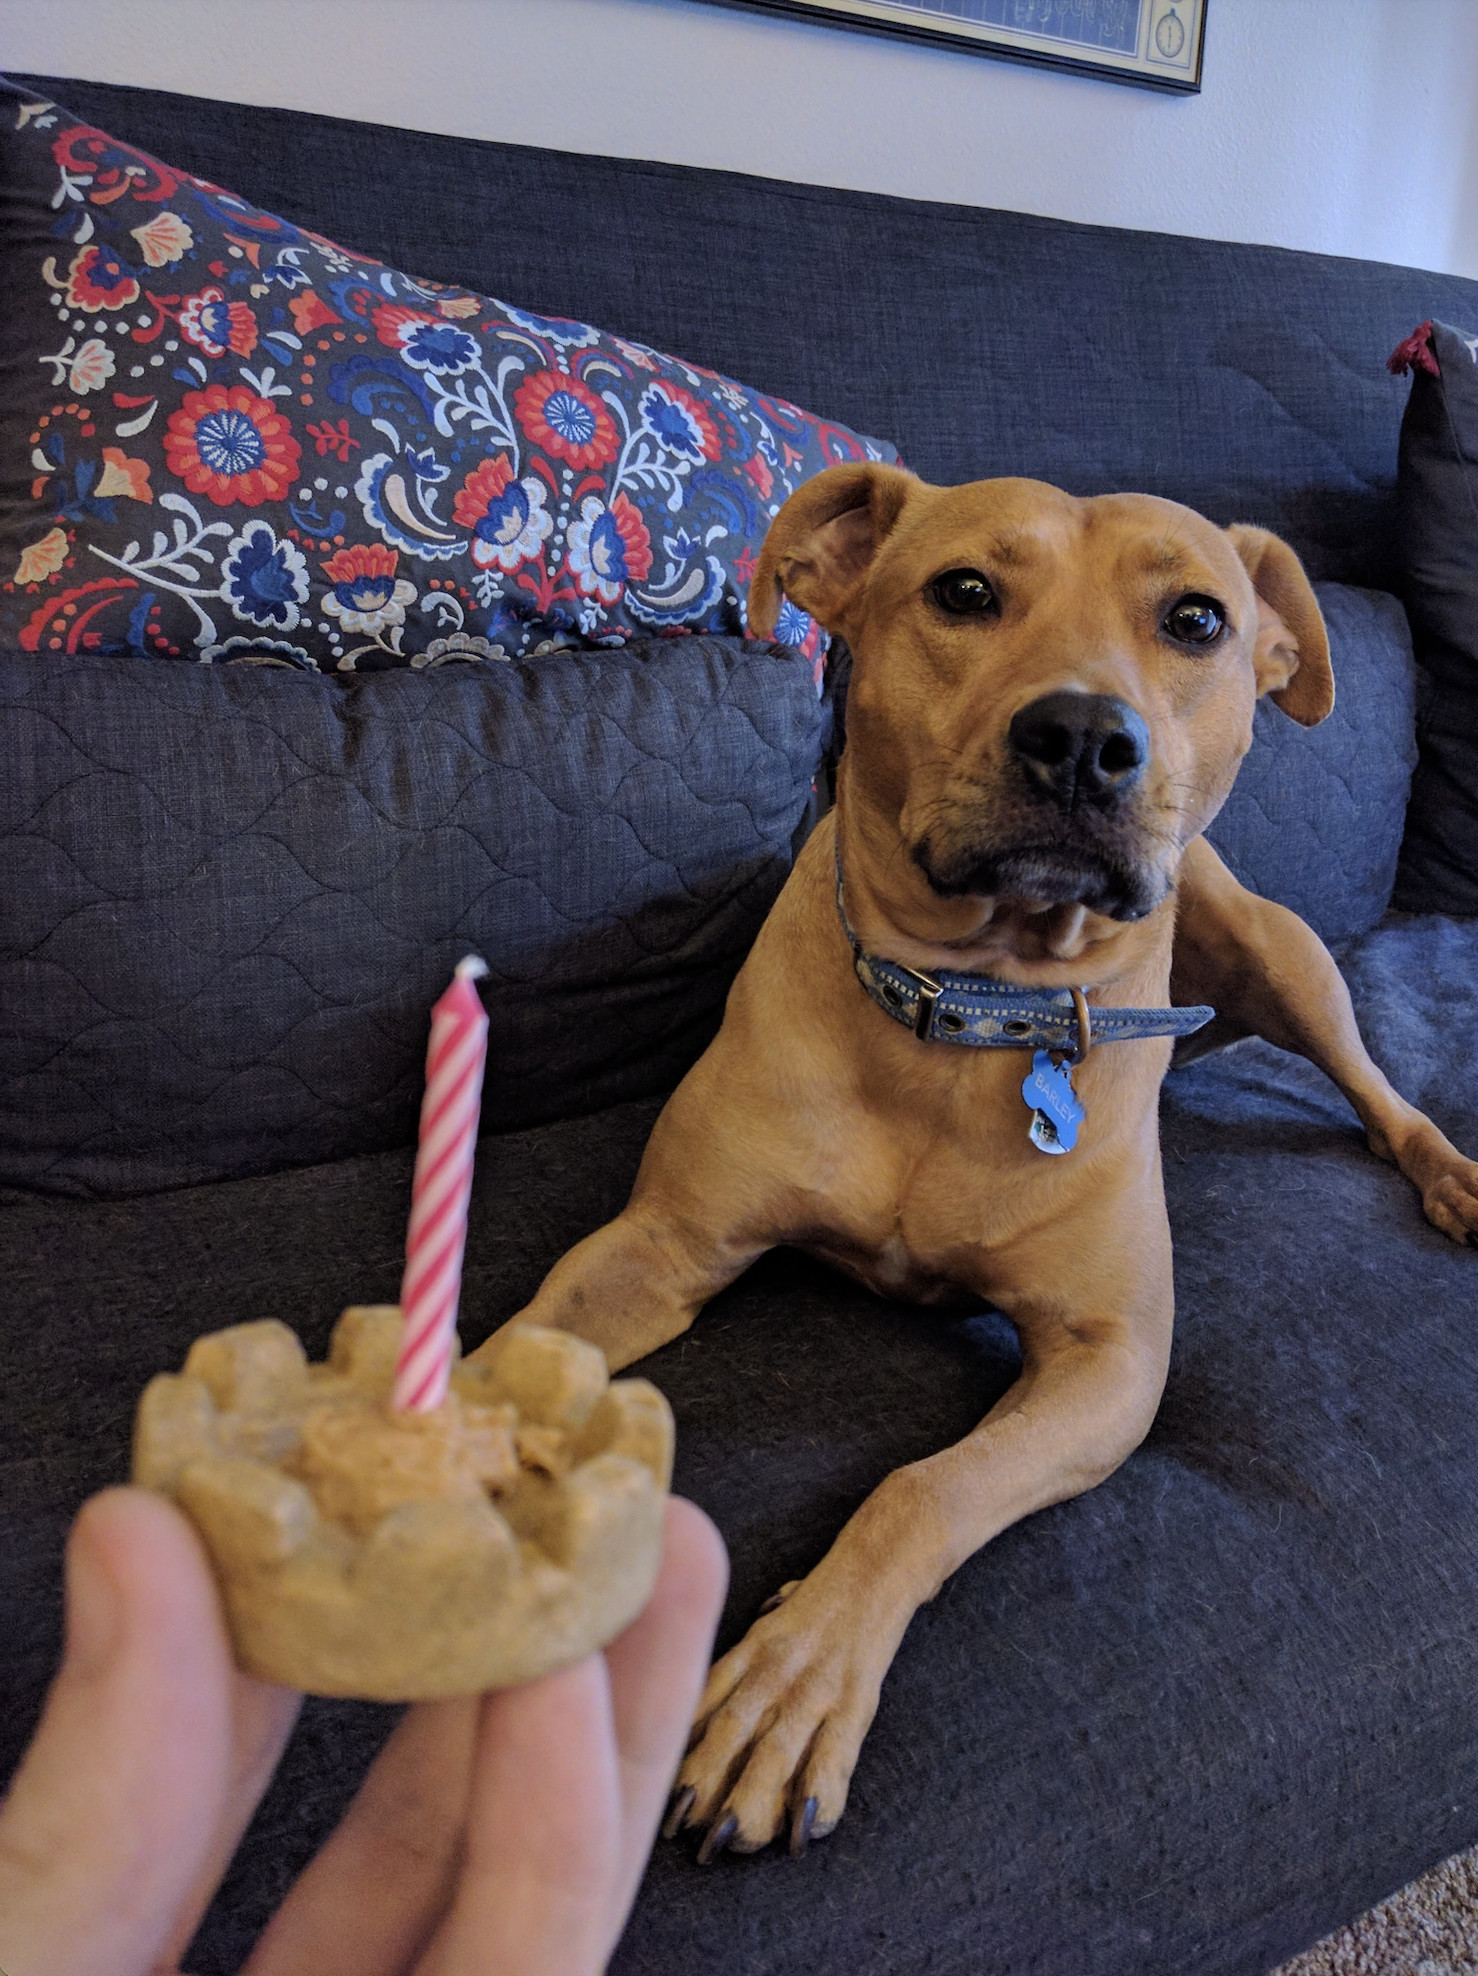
x=992, y=1015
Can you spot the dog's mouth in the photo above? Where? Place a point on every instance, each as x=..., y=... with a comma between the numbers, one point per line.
x=1042, y=876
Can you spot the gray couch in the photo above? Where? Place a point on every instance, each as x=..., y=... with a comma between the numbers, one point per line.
x=1187, y=1723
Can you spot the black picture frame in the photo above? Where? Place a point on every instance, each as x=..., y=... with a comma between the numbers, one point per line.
x=1177, y=26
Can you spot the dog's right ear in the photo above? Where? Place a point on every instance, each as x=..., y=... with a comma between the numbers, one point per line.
x=821, y=543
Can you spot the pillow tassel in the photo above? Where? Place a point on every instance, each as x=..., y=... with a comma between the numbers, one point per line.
x=1415, y=349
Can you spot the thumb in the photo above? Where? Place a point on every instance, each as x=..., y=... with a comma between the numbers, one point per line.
x=117, y=1804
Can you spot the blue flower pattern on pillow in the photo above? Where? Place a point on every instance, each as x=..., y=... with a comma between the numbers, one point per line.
x=264, y=581
x=253, y=446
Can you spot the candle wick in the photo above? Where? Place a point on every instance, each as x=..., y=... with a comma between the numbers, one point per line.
x=473, y=968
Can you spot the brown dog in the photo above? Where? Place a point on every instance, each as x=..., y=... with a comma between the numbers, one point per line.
x=1050, y=698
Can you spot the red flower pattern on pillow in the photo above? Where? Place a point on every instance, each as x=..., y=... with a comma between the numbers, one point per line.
x=98, y=279
x=310, y=312
x=609, y=548
x=215, y=325
x=566, y=419
x=232, y=447
x=507, y=517
x=394, y=319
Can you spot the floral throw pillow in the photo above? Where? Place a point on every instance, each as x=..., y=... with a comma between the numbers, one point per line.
x=228, y=439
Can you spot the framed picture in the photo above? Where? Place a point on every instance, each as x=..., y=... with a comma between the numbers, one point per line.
x=1153, y=43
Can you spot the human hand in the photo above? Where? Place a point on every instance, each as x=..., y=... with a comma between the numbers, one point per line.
x=508, y=1834
x=504, y=1833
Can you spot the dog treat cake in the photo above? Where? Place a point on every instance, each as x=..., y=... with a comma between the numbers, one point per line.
x=406, y=1556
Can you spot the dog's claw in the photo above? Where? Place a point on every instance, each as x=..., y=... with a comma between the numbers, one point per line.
x=800, y=1829
x=717, y=1839
x=679, y=1806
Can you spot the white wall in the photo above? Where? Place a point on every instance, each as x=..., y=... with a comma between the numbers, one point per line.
x=1349, y=126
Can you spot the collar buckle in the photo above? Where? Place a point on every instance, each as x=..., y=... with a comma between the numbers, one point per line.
x=929, y=992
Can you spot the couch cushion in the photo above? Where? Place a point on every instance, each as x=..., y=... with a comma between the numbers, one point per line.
x=1184, y=1724
x=223, y=434
x=1437, y=488
x=231, y=896
x=1315, y=817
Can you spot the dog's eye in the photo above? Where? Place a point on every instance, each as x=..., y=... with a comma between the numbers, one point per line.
x=1195, y=621
x=963, y=593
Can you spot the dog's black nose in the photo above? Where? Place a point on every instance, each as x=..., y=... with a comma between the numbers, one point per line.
x=1080, y=748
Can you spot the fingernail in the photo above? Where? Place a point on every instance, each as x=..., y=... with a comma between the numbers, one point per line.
x=94, y=1608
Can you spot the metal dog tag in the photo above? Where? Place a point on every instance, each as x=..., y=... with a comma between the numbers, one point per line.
x=1053, y=1104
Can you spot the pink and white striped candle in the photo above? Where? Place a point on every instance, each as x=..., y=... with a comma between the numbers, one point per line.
x=437, y=1234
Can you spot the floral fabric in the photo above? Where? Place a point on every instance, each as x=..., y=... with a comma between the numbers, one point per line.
x=230, y=440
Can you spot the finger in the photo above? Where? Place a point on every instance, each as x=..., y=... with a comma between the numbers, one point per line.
x=657, y=1667
x=262, y=1719
x=114, y=1812
x=370, y=1900
x=540, y=1887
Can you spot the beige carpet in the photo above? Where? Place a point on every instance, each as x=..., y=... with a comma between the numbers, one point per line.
x=1428, y=1929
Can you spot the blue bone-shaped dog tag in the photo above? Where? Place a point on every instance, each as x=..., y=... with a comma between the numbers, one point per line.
x=1056, y=1112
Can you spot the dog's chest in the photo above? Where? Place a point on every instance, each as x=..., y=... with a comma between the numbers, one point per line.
x=923, y=1193
x=893, y=1269
x=921, y=1224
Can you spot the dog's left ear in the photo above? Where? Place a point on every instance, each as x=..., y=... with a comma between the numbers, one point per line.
x=822, y=541
x=1291, y=658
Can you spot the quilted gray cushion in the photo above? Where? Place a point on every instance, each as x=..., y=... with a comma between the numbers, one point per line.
x=1316, y=815
x=232, y=894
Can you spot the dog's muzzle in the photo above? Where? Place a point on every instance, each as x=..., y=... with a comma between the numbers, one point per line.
x=1065, y=833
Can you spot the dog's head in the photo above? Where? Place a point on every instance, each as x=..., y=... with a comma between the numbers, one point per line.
x=1050, y=696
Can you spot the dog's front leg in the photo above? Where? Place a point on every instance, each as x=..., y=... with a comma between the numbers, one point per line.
x=710, y=1196
x=637, y=1283
x=1272, y=976
x=784, y=1713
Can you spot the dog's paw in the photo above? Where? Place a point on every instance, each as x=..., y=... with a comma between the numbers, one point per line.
x=778, y=1729
x=1450, y=1201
